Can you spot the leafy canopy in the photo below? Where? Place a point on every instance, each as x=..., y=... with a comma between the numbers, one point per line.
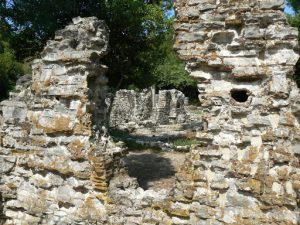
x=294, y=20
x=140, y=43
x=295, y=4
x=10, y=69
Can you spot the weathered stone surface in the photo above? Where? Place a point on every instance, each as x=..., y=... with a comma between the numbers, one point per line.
x=243, y=63
x=131, y=108
x=54, y=167
x=57, y=166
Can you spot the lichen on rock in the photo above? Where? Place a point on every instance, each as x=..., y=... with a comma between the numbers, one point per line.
x=242, y=54
x=54, y=167
x=58, y=166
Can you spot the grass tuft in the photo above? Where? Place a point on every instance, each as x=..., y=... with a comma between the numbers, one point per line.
x=184, y=142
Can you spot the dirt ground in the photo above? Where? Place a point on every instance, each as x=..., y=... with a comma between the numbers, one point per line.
x=154, y=170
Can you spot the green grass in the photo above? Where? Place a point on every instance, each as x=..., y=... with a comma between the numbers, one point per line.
x=184, y=142
x=131, y=143
x=196, y=112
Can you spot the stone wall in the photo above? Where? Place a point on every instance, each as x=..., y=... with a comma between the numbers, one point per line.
x=57, y=166
x=166, y=107
x=54, y=166
x=242, y=53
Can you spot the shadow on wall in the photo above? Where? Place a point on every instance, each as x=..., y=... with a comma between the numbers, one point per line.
x=148, y=168
x=297, y=73
x=2, y=216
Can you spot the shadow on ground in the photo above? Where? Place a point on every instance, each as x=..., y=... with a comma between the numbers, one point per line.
x=150, y=169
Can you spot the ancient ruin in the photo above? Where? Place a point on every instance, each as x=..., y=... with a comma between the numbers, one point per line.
x=58, y=164
x=147, y=107
x=54, y=167
x=242, y=53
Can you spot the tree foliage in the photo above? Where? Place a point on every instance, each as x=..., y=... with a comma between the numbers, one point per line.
x=10, y=69
x=295, y=4
x=139, y=35
x=294, y=20
x=170, y=72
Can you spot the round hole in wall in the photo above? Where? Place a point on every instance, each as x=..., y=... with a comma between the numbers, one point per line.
x=240, y=95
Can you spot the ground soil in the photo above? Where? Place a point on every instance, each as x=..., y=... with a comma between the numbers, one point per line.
x=154, y=170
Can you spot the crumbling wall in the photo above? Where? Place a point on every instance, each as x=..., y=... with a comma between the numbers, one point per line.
x=166, y=107
x=54, y=166
x=130, y=106
x=57, y=164
x=170, y=107
x=57, y=167
x=242, y=53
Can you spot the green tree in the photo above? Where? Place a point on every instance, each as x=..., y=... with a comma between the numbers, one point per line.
x=141, y=36
x=295, y=4
x=170, y=72
x=10, y=69
x=294, y=20
x=136, y=27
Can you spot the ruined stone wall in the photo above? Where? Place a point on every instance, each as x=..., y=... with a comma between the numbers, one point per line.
x=242, y=53
x=130, y=106
x=166, y=107
x=57, y=164
x=54, y=166
x=170, y=107
x=57, y=168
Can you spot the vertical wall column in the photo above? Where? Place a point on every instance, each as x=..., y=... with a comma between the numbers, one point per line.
x=54, y=165
x=243, y=53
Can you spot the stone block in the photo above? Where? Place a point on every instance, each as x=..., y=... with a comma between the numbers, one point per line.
x=271, y=4
x=14, y=111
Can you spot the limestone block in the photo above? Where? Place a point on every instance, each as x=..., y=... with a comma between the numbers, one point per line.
x=256, y=120
x=235, y=199
x=206, y=76
x=202, y=211
x=253, y=32
x=223, y=37
x=192, y=37
x=65, y=194
x=279, y=84
x=296, y=148
x=219, y=182
x=281, y=33
x=7, y=163
x=281, y=56
x=14, y=111
x=208, y=5
x=194, y=2
x=271, y=4
x=48, y=181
